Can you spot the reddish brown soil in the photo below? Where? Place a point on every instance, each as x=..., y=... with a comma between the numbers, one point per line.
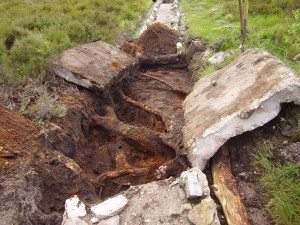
x=15, y=131
x=51, y=176
x=102, y=145
x=159, y=39
x=99, y=151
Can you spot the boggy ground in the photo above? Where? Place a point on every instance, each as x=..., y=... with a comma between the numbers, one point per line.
x=102, y=146
x=135, y=137
x=131, y=137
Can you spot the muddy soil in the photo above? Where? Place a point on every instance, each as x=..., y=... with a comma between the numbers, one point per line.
x=111, y=160
x=106, y=150
x=99, y=159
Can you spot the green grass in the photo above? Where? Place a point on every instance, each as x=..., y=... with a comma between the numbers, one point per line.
x=282, y=186
x=273, y=25
x=33, y=31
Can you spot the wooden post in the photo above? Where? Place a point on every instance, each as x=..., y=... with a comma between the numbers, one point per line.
x=225, y=188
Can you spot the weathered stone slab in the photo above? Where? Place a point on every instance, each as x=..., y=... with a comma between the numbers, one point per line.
x=240, y=97
x=96, y=65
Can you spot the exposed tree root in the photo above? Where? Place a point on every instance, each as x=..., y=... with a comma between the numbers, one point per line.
x=118, y=173
x=225, y=188
x=159, y=59
x=143, y=138
x=110, y=175
x=177, y=90
x=166, y=120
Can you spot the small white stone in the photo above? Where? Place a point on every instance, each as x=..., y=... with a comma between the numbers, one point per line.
x=180, y=48
x=95, y=220
x=217, y=58
x=109, y=207
x=195, y=183
x=75, y=208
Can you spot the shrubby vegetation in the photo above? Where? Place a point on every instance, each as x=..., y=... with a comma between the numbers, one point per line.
x=282, y=185
x=32, y=31
x=273, y=25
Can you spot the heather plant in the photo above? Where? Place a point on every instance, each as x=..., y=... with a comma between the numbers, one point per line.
x=32, y=32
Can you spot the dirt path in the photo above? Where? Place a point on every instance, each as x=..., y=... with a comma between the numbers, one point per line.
x=165, y=14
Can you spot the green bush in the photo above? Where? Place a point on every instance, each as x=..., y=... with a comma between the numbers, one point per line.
x=12, y=34
x=282, y=186
x=29, y=55
x=32, y=30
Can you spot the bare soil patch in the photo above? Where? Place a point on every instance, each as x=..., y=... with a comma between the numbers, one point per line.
x=158, y=39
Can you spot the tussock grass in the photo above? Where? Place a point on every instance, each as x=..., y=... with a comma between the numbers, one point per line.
x=282, y=185
x=273, y=25
x=32, y=31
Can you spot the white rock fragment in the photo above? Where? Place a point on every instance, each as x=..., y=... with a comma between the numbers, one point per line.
x=180, y=48
x=75, y=208
x=220, y=57
x=94, y=220
x=109, y=207
x=240, y=97
x=194, y=183
x=115, y=220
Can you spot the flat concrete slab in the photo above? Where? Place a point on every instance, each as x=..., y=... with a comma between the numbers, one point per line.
x=96, y=65
x=240, y=97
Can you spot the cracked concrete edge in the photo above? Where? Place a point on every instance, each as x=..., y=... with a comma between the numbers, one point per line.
x=261, y=111
x=215, y=137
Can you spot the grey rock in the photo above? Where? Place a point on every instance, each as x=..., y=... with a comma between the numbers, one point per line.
x=194, y=183
x=155, y=203
x=204, y=213
x=256, y=82
x=96, y=65
x=220, y=57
